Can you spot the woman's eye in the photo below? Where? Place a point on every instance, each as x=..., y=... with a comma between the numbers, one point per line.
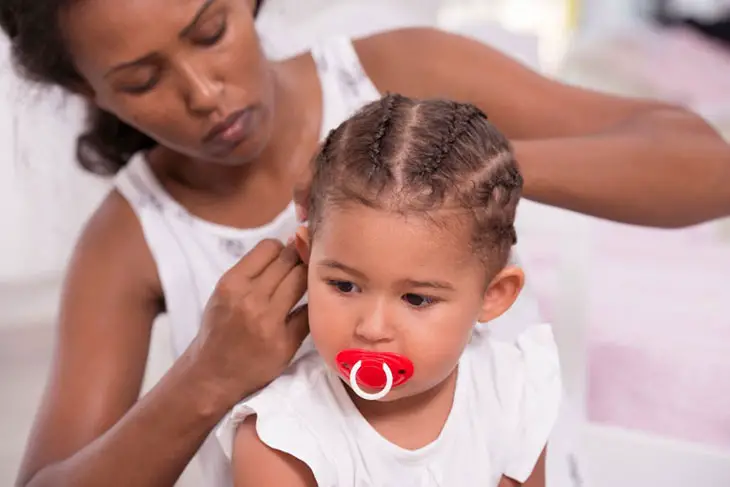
x=141, y=88
x=344, y=287
x=417, y=300
x=208, y=38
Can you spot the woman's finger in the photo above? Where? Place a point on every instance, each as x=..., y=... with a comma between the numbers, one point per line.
x=268, y=281
x=290, y=291
x=256, y=261
x=297, y=329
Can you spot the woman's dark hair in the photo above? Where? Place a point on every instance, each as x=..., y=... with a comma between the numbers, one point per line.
x=404, y=155
x=40, y=55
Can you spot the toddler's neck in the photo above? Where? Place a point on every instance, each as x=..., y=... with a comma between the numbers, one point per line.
x=411, y=422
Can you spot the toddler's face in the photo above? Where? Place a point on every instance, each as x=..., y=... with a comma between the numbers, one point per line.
x=386, y=282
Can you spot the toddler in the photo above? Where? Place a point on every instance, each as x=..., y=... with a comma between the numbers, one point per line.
x=411, y=224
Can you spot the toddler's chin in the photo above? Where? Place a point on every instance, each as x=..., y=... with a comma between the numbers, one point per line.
x=393, y=395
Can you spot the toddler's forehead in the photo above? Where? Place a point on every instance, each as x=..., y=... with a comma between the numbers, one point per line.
x=401, y=237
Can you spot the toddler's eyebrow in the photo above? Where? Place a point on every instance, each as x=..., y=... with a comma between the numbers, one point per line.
x=333, y=264
x=432, y=284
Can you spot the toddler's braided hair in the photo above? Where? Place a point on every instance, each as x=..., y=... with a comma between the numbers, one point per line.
x=406, y=155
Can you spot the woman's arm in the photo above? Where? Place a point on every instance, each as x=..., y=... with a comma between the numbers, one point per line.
x=634, y=161
x=256, y=465
x=90, y=429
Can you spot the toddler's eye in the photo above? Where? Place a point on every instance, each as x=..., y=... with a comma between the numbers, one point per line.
x=344, y=287
x=417, y=300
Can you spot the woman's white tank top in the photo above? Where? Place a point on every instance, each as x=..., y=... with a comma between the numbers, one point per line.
x=192, y=254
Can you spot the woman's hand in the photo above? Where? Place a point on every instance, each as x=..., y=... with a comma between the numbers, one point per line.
x=93, y=428
x=249, y=332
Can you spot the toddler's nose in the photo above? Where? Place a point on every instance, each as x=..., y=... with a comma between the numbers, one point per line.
x=373, y=327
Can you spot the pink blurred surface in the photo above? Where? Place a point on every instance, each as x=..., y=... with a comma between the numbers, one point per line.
x=679, y=65
x=674, y=64
x=658, y=320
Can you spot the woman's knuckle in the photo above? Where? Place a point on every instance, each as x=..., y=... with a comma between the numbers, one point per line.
x=272, y=245
x=226, y=287
x=253, y=305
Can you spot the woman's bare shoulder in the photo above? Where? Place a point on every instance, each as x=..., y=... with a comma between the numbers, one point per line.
x=111, y=296
x=113, y=238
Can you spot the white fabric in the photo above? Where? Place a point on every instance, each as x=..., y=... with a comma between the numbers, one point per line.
x=192, y=254
x=505, y=405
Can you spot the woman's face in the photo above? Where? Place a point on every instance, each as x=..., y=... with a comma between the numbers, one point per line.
x=188, y=73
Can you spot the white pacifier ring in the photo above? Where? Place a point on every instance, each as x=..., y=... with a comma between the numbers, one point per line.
x=375, y=395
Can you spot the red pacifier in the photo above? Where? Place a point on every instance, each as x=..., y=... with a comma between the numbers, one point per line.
x=374, y=370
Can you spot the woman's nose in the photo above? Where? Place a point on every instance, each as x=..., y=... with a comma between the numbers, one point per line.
x=203, y=92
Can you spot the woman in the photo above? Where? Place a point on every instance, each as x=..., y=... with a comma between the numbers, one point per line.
x=208, y=139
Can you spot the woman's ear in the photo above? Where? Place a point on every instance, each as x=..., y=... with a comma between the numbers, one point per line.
x=302, y=243
x=501, y=293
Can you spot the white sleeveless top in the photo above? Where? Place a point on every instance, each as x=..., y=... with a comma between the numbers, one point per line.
x=192, y=254
x=505, y=404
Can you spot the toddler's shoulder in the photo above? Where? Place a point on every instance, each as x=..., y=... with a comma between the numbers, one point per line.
x=519, y=384
x=294, y=414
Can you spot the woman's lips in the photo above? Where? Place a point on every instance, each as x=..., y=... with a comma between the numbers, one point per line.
x=227, y=135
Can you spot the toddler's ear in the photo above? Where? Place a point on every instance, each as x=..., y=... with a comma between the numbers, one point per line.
x=501, y=293
x=301, y=242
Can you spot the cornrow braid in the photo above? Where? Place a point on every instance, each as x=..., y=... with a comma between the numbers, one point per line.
x=388, y=104
x=423, y=156
x=441, y=148
x=460, y=120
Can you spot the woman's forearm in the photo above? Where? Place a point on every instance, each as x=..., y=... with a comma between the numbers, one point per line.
x=666, y=168
x=153, y=443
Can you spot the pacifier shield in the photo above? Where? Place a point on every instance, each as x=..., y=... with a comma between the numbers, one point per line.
x=371, y=373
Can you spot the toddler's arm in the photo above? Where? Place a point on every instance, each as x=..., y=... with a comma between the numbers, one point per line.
x=255, y=464
x=537, y=478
